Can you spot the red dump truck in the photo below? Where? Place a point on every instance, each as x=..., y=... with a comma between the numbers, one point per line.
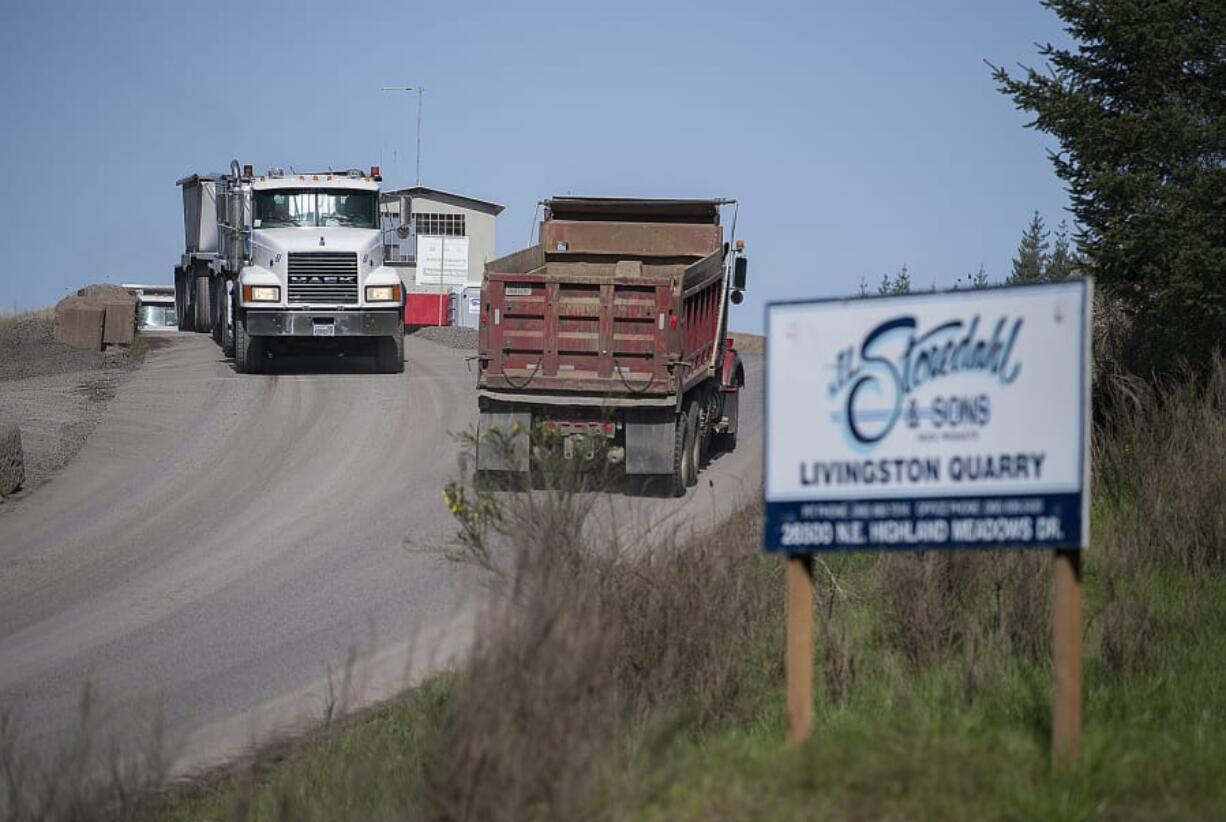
x=608, y=340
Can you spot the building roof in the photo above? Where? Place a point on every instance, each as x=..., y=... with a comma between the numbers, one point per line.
x=426, y=191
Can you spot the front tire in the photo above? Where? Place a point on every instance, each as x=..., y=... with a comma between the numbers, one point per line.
x=389, y=354
x=227, y=327
x=248, y=350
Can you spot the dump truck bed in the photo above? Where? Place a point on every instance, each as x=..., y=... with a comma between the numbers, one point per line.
x=619, y=304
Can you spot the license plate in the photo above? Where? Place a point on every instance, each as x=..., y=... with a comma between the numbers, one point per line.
x=325, y=330
x=519, y=291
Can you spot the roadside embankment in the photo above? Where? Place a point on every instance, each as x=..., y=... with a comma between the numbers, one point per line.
x=53, y=392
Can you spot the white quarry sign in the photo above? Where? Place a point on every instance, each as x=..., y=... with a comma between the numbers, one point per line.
x=442, y=260
x=958, y=419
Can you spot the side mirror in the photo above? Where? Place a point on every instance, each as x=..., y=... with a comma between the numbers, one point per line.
x=739, y=271
x=736, y=297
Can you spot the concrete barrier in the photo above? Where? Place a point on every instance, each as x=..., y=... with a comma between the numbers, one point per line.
x=78, y=323
x=97, y=315
x=120, y=325
x=12, y=460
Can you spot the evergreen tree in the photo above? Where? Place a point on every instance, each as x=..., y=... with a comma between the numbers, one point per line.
x=900, y=284
x=1062, y=262
x=980, y=278
x=1031, y=257
x=1137, y=105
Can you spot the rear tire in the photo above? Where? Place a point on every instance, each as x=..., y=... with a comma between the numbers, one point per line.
x=218, y=302
x=697, y=451
x=679, y=480
x=202, y=319
x=183, y=299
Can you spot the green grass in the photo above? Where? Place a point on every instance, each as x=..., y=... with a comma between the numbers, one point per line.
x=367, y=768
x=902, y=744
x=1154, y=745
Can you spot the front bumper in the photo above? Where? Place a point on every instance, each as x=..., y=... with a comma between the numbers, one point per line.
x=381, y=322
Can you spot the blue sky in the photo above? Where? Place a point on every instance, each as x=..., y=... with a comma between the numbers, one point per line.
x=857, y=136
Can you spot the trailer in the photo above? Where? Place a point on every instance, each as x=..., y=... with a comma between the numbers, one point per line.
x=193, y=306
x=279, y=263
x=608, y=340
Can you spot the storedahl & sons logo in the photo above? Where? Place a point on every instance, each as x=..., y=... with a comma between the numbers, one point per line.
x=895, y=359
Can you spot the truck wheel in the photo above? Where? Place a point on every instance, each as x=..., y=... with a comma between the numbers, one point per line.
x=248, y=350
x=694, y=446
x=227, y=328
x=183, y=299
x=680, y=478
x=218, y=301
x=203, y=315
x=389, y=354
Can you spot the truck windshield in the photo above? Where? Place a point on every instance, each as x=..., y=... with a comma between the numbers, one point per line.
x=306, y=207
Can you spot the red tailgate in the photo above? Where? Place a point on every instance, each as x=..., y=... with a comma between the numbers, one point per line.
x=573, y=334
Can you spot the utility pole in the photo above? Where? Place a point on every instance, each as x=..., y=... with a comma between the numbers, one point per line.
x=420, y=92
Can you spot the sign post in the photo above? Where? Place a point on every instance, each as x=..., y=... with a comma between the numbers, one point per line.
x=931, y=421
x=1066, y=658
x=798, y=659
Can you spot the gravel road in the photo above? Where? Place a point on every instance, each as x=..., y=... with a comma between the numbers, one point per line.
x=222, y=541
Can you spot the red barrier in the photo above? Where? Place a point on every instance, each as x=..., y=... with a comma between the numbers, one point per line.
x=426, y=309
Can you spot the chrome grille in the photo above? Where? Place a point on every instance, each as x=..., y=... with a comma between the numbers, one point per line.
x=323, y=277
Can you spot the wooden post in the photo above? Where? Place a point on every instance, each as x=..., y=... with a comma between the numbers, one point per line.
x=1066, y=658
x=798, y=660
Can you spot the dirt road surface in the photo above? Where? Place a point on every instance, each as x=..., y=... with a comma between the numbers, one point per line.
x=222, y=542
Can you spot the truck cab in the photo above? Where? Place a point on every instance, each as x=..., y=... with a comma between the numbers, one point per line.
x=310, y=266
x=282, y=262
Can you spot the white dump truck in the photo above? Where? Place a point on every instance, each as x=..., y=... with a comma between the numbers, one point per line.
x=278, y=263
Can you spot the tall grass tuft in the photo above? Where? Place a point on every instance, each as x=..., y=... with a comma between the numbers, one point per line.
x=587, y=639
x=1161, y=474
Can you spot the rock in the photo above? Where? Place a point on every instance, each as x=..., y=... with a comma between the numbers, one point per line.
x=12, y=460
x=79, y=322
x=108, y=307
x=100, y=293
x=120, y=325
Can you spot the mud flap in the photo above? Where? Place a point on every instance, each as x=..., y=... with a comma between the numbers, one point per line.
x=731, y=409
x=649, y=441
x=503, y=440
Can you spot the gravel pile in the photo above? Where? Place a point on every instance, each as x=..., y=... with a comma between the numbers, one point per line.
x=452, y=336
x=28, y=348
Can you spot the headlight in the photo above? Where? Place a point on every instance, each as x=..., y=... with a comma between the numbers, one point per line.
x=382, y=293
x=261, y=293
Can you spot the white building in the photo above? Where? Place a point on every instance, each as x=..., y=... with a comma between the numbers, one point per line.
x=447, y=241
